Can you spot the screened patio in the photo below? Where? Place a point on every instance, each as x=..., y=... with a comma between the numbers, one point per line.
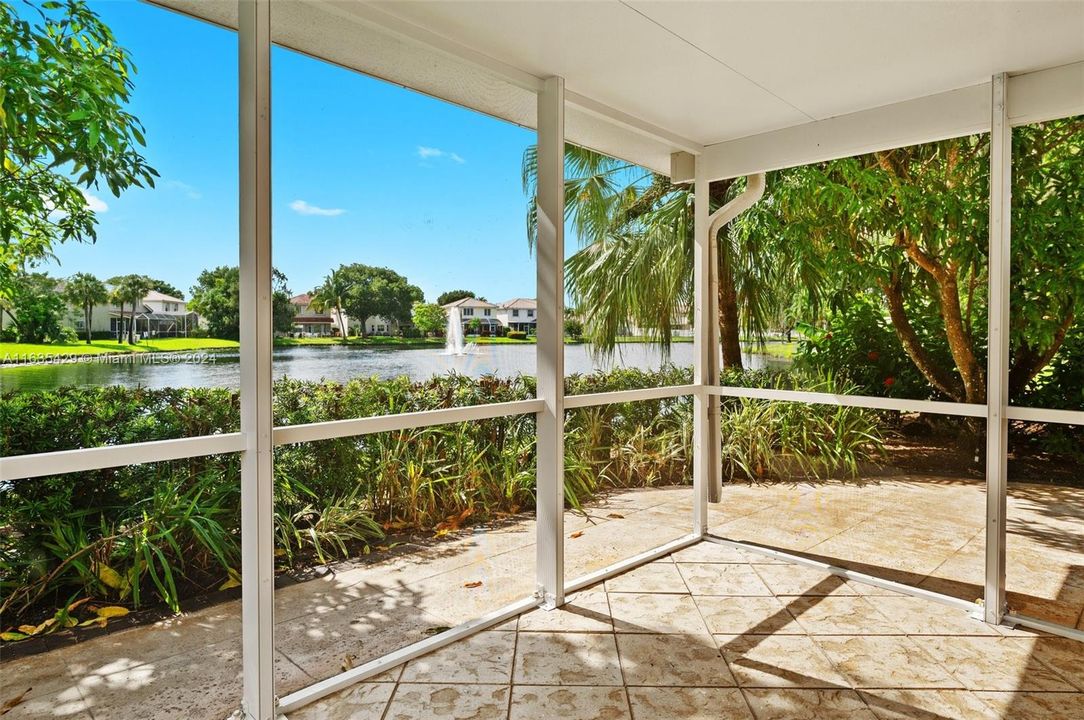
x=920, y=594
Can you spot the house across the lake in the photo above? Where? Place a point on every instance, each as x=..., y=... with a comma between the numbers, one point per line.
x=309, y=322
x=479, y=317
x=157, y=315
x=482, y=317
x=519, y=314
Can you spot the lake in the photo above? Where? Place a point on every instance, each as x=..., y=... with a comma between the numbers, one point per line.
x=339, y=364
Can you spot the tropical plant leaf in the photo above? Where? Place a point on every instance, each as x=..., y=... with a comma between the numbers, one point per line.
x=111, y=611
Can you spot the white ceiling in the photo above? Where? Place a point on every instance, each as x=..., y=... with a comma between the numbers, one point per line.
x=715, y=71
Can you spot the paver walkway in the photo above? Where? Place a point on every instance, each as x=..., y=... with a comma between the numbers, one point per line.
x=919, y=531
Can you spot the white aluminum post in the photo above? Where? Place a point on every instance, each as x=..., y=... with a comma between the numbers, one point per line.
x=550, y=447
x=997, y=369
x=702, y=349
x=257, y=504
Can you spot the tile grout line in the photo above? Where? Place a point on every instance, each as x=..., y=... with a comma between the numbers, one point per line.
x=78, y=689
x=617, y=649
x=394, y=689
x=715, y=642
x=512, y=669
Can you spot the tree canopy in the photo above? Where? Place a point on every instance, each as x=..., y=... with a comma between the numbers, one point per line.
x=216, y=296
x=377, y=291
x=428, y=317
x=452, y=295
x=64, y=129
x=167, y=288
x=910, y=227
x=34, y=307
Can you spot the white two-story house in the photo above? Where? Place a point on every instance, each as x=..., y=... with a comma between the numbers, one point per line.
x=475, y=313
x=519, y=314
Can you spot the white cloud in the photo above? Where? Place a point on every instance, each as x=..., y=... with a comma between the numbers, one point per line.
x=95, y=203
x=190, y=192
x=425, y=153
x=303, y=208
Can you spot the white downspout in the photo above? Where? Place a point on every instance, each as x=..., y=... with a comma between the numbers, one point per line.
x=754, y=191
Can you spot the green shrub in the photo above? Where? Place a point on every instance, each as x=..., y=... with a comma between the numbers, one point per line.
x=161, y=532
x=517, y=335
x=860, y=345
x=770, y=440
x=1061, y=384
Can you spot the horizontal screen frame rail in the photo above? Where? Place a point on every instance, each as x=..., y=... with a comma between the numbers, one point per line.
x=334, y=429
x=623, y=396
x=1045, y=415
x=859, y=401
x=62, y=462
x=845, y=573
x=343, y=680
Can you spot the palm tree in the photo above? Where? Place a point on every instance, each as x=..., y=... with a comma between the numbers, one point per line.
x=130, y=289
x=635, y=262
x=85, y=291
x=330, y=295
x=116, y=297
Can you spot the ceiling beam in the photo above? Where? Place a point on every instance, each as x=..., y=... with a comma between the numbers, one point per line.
x=1046, y=94
x=1033, y=97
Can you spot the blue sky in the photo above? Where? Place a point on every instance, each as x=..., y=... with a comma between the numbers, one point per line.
x=363, y=171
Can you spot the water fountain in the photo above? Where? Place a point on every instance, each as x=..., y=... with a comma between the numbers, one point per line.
x=453, y=334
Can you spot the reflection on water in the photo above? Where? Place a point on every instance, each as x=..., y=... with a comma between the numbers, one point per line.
x=339, y=364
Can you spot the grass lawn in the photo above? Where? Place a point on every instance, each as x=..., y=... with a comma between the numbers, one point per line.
x=773, y=348
x=29, y=352
x=376, y=341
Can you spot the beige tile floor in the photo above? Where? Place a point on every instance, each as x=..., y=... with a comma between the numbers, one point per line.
x=921, y=531
x=647, y=645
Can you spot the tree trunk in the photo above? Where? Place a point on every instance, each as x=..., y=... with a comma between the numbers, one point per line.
x=936, y=375
x=342, y=321
x=1028, y=360
x=959, y=340
x=88, y=315
x=729, y=334
x=131, y=325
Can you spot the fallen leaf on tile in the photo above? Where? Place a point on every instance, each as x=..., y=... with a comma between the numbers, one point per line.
x=454, y=522
x=348, y=662
x=435, y=630
x=476, y=583
x=10, y=704
x=616, y=516
x=578, y=533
